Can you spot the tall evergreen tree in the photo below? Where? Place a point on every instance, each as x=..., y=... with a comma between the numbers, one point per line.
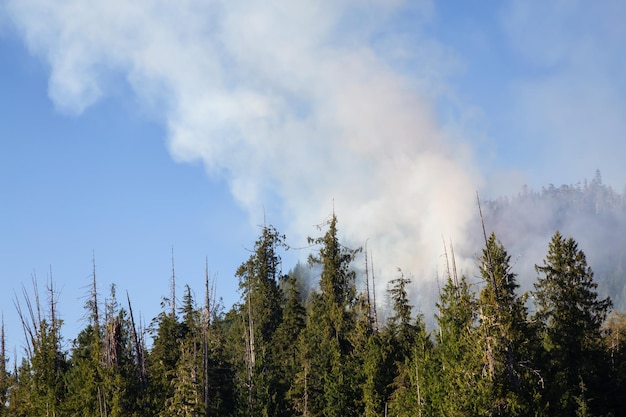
x=220, y=371
x=326, y=380
x=411, y=349
x=462, y=390
x=260, y=313
x=187, y=381
x=571, y=315
x=43, y=375
x=379, y=371
x=162, y=358
x=285, y=345
x=504, y=330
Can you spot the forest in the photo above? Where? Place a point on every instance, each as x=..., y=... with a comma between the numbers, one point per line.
x=556, y=350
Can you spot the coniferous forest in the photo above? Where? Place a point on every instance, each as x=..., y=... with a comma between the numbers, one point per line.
x=557, y=350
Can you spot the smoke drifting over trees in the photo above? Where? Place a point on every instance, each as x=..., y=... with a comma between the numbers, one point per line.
x=280, y=351
x=590, y=210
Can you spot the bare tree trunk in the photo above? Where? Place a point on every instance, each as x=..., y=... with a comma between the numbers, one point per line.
x=139, y=356
x=173, y=289
x=370, y=318
x=374, y=293
x=94, y=298
x=252, y=358
x=419, y=395
x=205, y=340
x=249, y=364
x=306, y=389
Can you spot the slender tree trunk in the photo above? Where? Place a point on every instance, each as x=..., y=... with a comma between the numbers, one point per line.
x=370, y=318
x=419, y=395
x=374, y=294
x=173, y=289
x=141, y=365
x=306, y=389
x=205, y=340
x=94, y=297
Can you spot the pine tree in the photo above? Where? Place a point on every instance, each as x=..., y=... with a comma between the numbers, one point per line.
x=571, y=315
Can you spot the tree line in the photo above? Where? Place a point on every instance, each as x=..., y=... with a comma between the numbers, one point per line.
x=280, y=351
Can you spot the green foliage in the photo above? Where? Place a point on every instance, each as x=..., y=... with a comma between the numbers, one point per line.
x=277, y=354
x=505, y=333
x=330, y=372
x=462, y=388
x=571, y=315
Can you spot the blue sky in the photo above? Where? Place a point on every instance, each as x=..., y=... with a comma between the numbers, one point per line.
x=127, y=130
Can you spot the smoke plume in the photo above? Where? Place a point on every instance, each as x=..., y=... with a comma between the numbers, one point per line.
x=301, y=107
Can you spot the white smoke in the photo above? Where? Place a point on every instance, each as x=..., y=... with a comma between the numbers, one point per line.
x=302, y=107
x=297, y=105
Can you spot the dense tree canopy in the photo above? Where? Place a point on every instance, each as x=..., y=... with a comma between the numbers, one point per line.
x=285, y=351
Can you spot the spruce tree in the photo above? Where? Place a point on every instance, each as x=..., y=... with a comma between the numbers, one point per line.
x=504, y=332
x=411, y=350
x=187, y=395
x=571, y=316
x=285, y=345
x=162, y=359
x=462, y=390
x=257, y=319
x=326, y=381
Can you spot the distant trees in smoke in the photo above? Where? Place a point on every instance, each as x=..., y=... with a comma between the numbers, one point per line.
x=591, y=211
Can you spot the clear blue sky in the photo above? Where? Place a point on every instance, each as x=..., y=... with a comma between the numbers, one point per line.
x=129, y=129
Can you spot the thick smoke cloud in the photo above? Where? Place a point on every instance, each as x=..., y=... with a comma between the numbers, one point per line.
x=592, y=213
x=295, y=104
x=305, y=107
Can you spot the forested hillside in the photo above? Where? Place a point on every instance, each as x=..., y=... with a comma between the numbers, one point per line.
x=286, y=350
x=278, y=352
x=593, y=212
